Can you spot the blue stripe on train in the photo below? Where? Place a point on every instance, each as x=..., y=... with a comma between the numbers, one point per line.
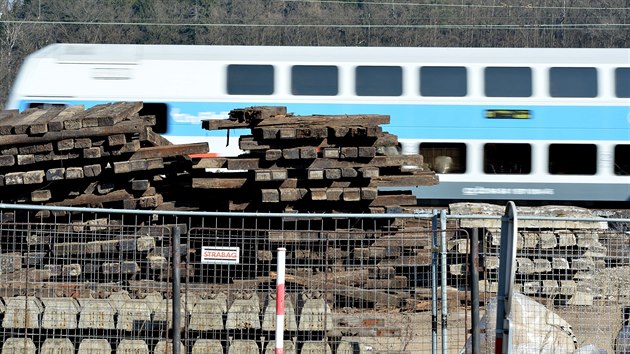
x=410, y=121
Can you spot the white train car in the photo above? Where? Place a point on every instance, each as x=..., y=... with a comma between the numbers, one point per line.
x=496, y=123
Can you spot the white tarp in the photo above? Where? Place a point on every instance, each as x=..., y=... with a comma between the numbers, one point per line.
x=536, y=329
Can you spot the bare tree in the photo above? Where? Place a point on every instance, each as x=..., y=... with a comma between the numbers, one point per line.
x=26, y=25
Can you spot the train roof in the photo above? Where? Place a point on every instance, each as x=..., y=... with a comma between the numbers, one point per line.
x=133, y=53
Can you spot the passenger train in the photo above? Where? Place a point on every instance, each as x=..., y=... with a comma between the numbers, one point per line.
x=540, y=125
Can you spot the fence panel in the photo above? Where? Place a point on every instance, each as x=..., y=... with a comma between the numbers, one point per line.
x=94, y=280
x=572, y=281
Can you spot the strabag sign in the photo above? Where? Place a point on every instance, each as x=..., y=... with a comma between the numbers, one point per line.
x=220, y=255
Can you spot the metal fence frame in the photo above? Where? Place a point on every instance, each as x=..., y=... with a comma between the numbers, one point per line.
x=441, y=252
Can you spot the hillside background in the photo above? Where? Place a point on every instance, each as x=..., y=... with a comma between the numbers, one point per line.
x=27, y=25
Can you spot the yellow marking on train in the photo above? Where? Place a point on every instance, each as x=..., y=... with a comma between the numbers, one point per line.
x=508, y=114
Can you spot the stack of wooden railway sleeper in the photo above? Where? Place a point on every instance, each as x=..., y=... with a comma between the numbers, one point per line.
x=313, y=163
x=108, y=156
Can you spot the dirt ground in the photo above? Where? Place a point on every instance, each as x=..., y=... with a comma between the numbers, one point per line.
x=595, y=325
x=416, y=333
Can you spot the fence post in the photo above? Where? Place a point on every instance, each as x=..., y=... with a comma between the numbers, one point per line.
x=509, y=227
x=474, y=289
x=280, y=301
x=176, y=290
x=443, y=270
x=439, y=226
x=434, y=270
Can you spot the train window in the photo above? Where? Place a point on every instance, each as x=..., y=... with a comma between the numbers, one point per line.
x=314, y=80
x=572, y=159
x=445, y=81
x=379, y=80
x=622, y=82
x=508, y=82
x=250, y=79
x=622, y=160
x=573, y=82
x=445, y=157
x=515, y=159
x=160, y=111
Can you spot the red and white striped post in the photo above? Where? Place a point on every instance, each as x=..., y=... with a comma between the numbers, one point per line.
x=280, y=301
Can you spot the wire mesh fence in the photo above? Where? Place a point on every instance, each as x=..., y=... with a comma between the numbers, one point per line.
x=572, y=282
x=575, y=281
x=105, y=281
